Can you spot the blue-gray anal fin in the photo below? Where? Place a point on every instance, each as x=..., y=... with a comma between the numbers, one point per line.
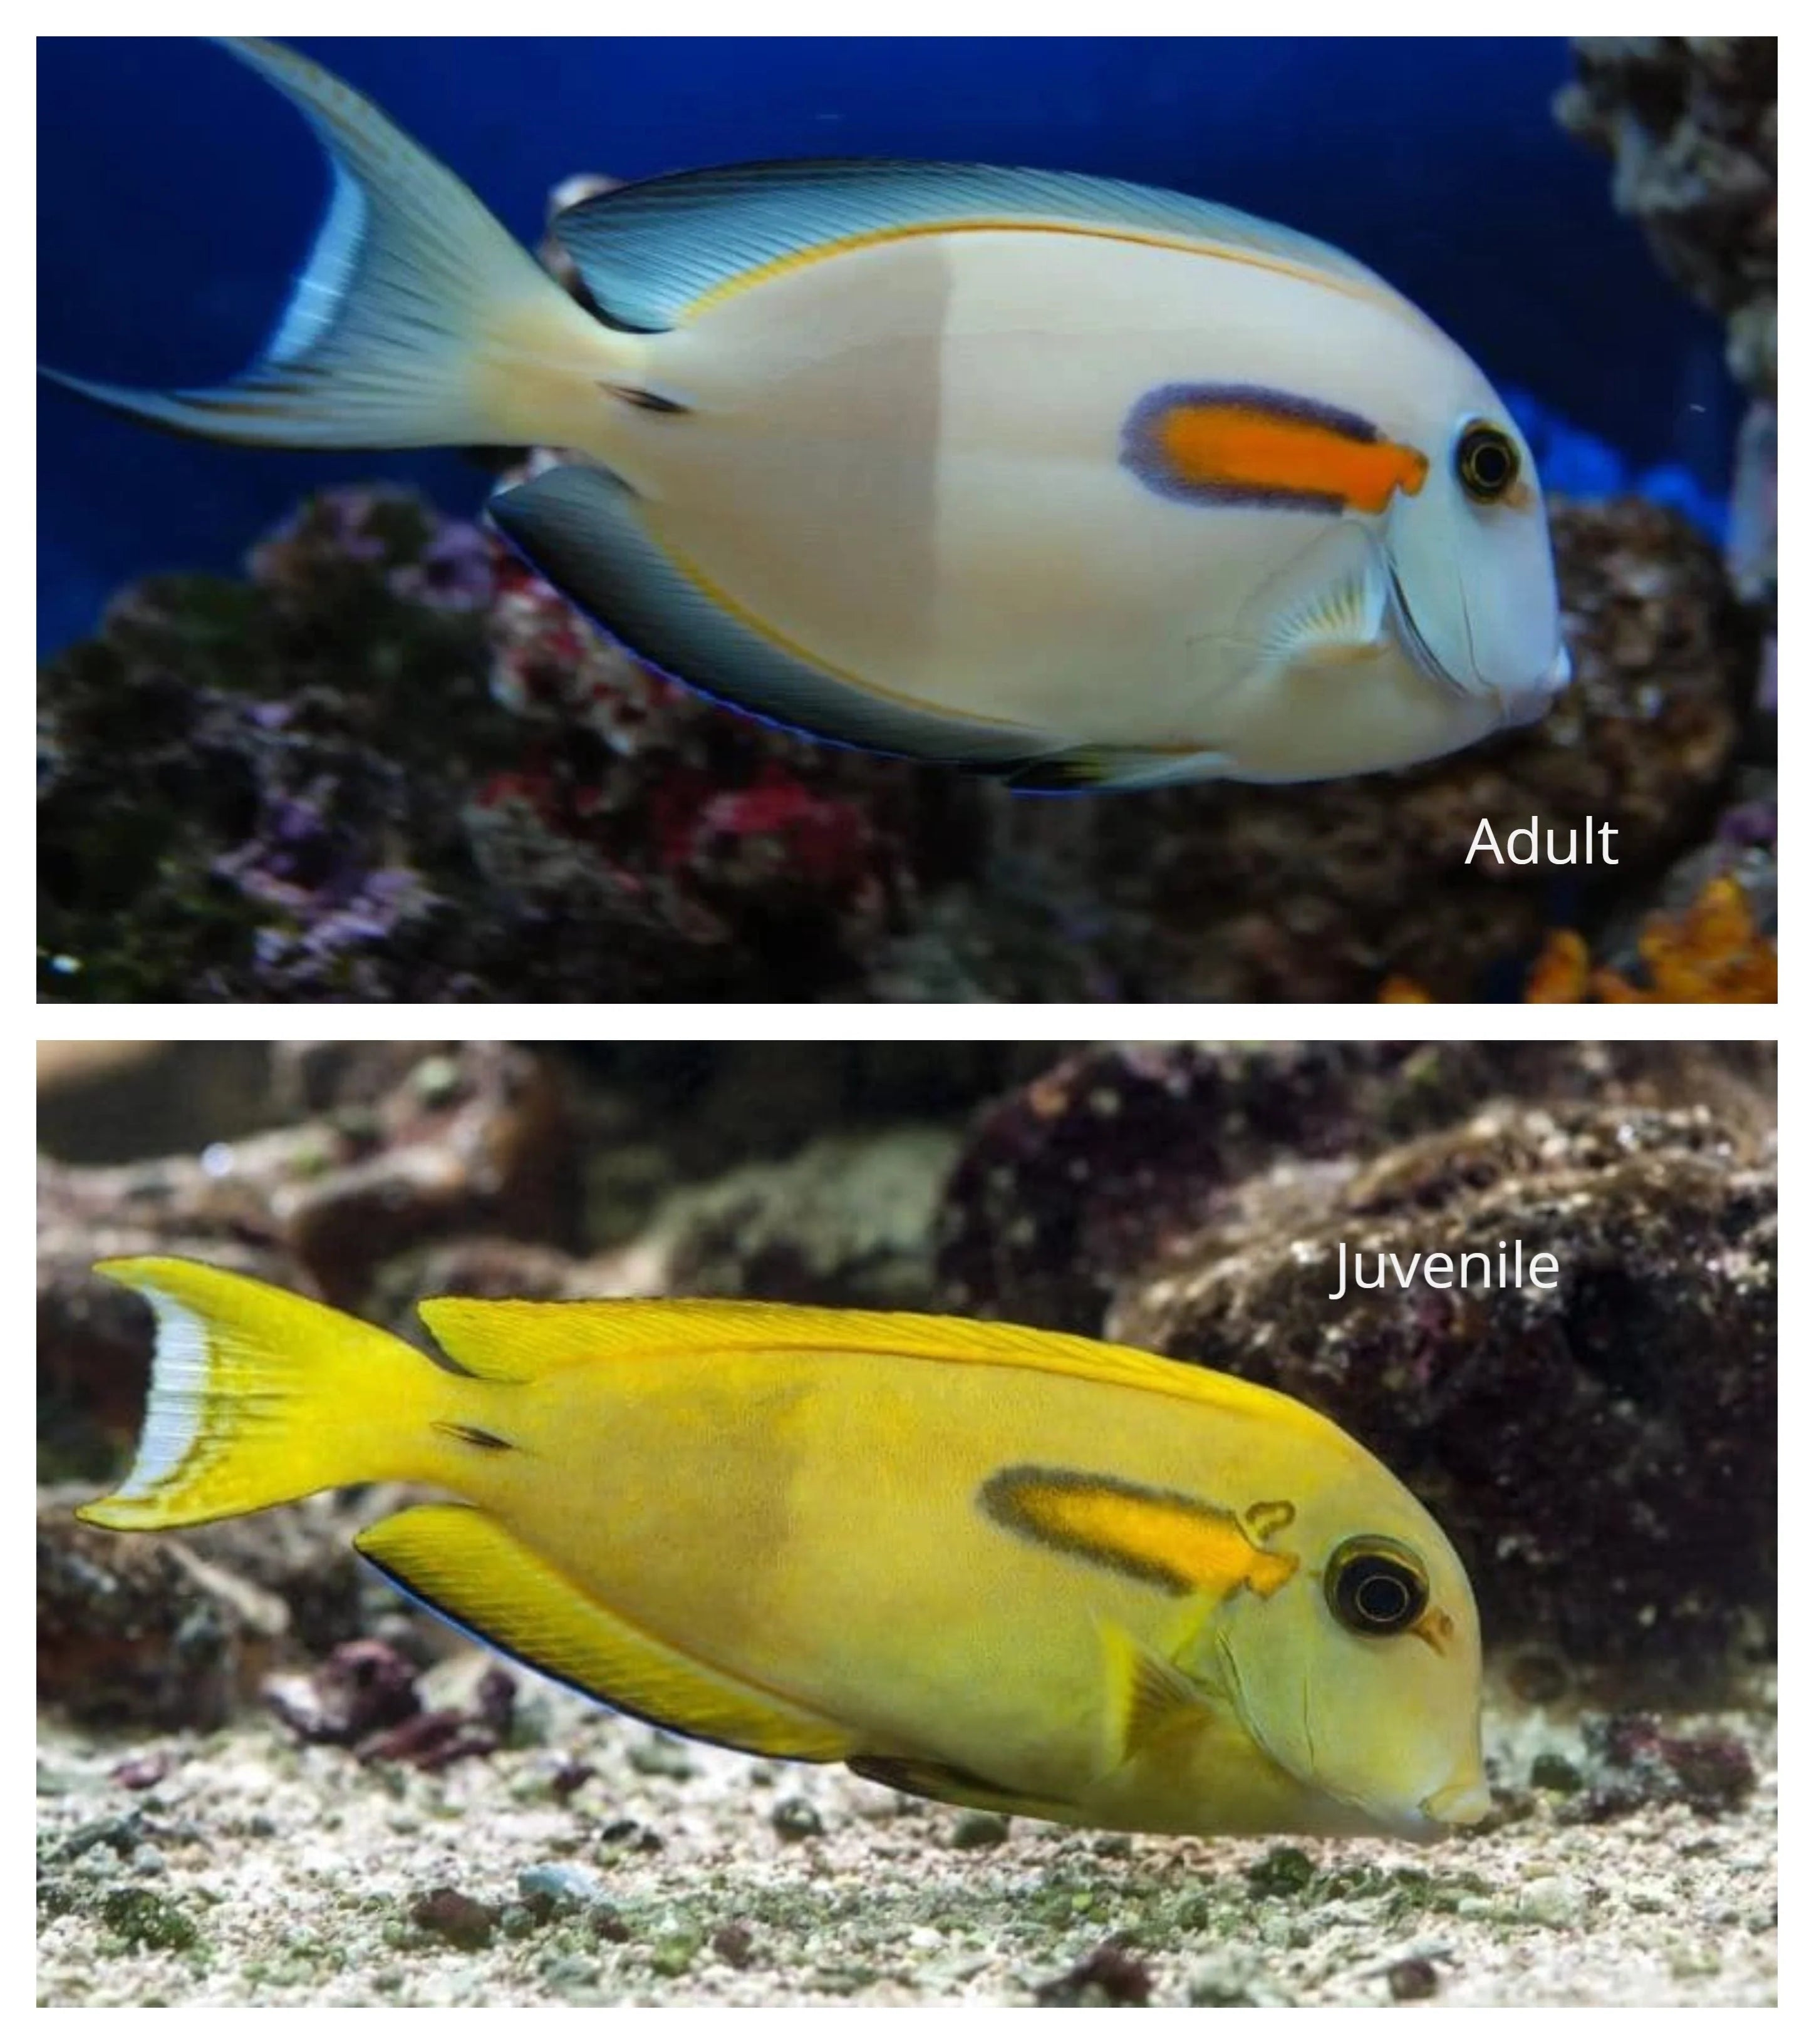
x=582, y=529
x=649, y=251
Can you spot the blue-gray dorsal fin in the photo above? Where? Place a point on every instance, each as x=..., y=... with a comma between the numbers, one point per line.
x=583, y=529
x=649, y=251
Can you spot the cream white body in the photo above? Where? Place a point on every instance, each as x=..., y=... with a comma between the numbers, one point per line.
x=929, y=496
x=855, y=454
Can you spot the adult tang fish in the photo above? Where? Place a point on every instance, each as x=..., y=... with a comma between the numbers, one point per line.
x=1080, y=482
x=1025, y=1571
x=1070, y=480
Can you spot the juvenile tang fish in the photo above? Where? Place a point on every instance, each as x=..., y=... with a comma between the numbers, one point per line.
x=1071, y=481
x=1023, y=1571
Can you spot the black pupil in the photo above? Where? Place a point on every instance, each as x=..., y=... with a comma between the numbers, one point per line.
x=1372, y=1590
x=1382, y=1597
x=1489, y=462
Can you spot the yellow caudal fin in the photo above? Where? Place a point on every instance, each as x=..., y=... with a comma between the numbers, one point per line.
x=258, y=1397
x=464, y=1566
x=417, y=321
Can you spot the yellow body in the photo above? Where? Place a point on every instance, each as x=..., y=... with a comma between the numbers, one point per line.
x=1020, y=1569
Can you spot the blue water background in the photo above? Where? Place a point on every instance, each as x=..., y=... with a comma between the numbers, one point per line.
x=177, y=194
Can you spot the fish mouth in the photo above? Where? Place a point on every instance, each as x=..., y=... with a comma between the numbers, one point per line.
x=1463, y=1802
x=1518, y=706
x=1528, y=705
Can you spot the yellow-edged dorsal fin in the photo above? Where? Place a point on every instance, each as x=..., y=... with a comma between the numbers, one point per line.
x=517, y=1339
x=658, y=253
x=463, y=1565
x=1184, y=1546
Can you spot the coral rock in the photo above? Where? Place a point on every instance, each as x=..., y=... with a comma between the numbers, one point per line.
x=362, y=1687
x=1689, y=122
x=395, y=765
x=1633, y=1762
x=144, y=1631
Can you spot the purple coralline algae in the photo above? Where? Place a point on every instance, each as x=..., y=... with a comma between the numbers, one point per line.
x=394, y=765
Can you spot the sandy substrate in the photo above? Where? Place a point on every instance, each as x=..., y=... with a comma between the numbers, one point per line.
x=258, y=1871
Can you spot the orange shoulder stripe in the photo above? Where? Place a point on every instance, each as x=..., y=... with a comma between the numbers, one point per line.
x=1243, y=445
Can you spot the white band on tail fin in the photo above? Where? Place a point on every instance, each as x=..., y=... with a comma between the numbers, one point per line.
x=178, y=1384
x=417, y=321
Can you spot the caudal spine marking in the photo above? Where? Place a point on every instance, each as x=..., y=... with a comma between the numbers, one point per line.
x=1241, y=445
x=474, y=1437
x=1269, y=1516
x=644, y=401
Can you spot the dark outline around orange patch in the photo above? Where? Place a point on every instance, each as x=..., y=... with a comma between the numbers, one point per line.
x=1241, y=445
x=1153, y=1547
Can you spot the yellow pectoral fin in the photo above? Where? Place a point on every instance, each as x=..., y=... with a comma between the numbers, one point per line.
x=464, y=1566
x=1147, y=1696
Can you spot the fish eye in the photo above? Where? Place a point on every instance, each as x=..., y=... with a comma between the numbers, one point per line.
x=1486, y=460
x=1375, y=1586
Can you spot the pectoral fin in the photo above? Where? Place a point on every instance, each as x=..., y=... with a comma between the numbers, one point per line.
x=1330, y=606
x=464, y=1567
x=1147, y=1696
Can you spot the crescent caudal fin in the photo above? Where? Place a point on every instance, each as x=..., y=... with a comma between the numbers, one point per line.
x=258, y=1395
x=417, y=321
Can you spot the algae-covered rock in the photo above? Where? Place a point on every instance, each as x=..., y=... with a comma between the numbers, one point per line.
x=145, y=1919
x=1071, y=1183
x=846, y=1221
x=135, y=1631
